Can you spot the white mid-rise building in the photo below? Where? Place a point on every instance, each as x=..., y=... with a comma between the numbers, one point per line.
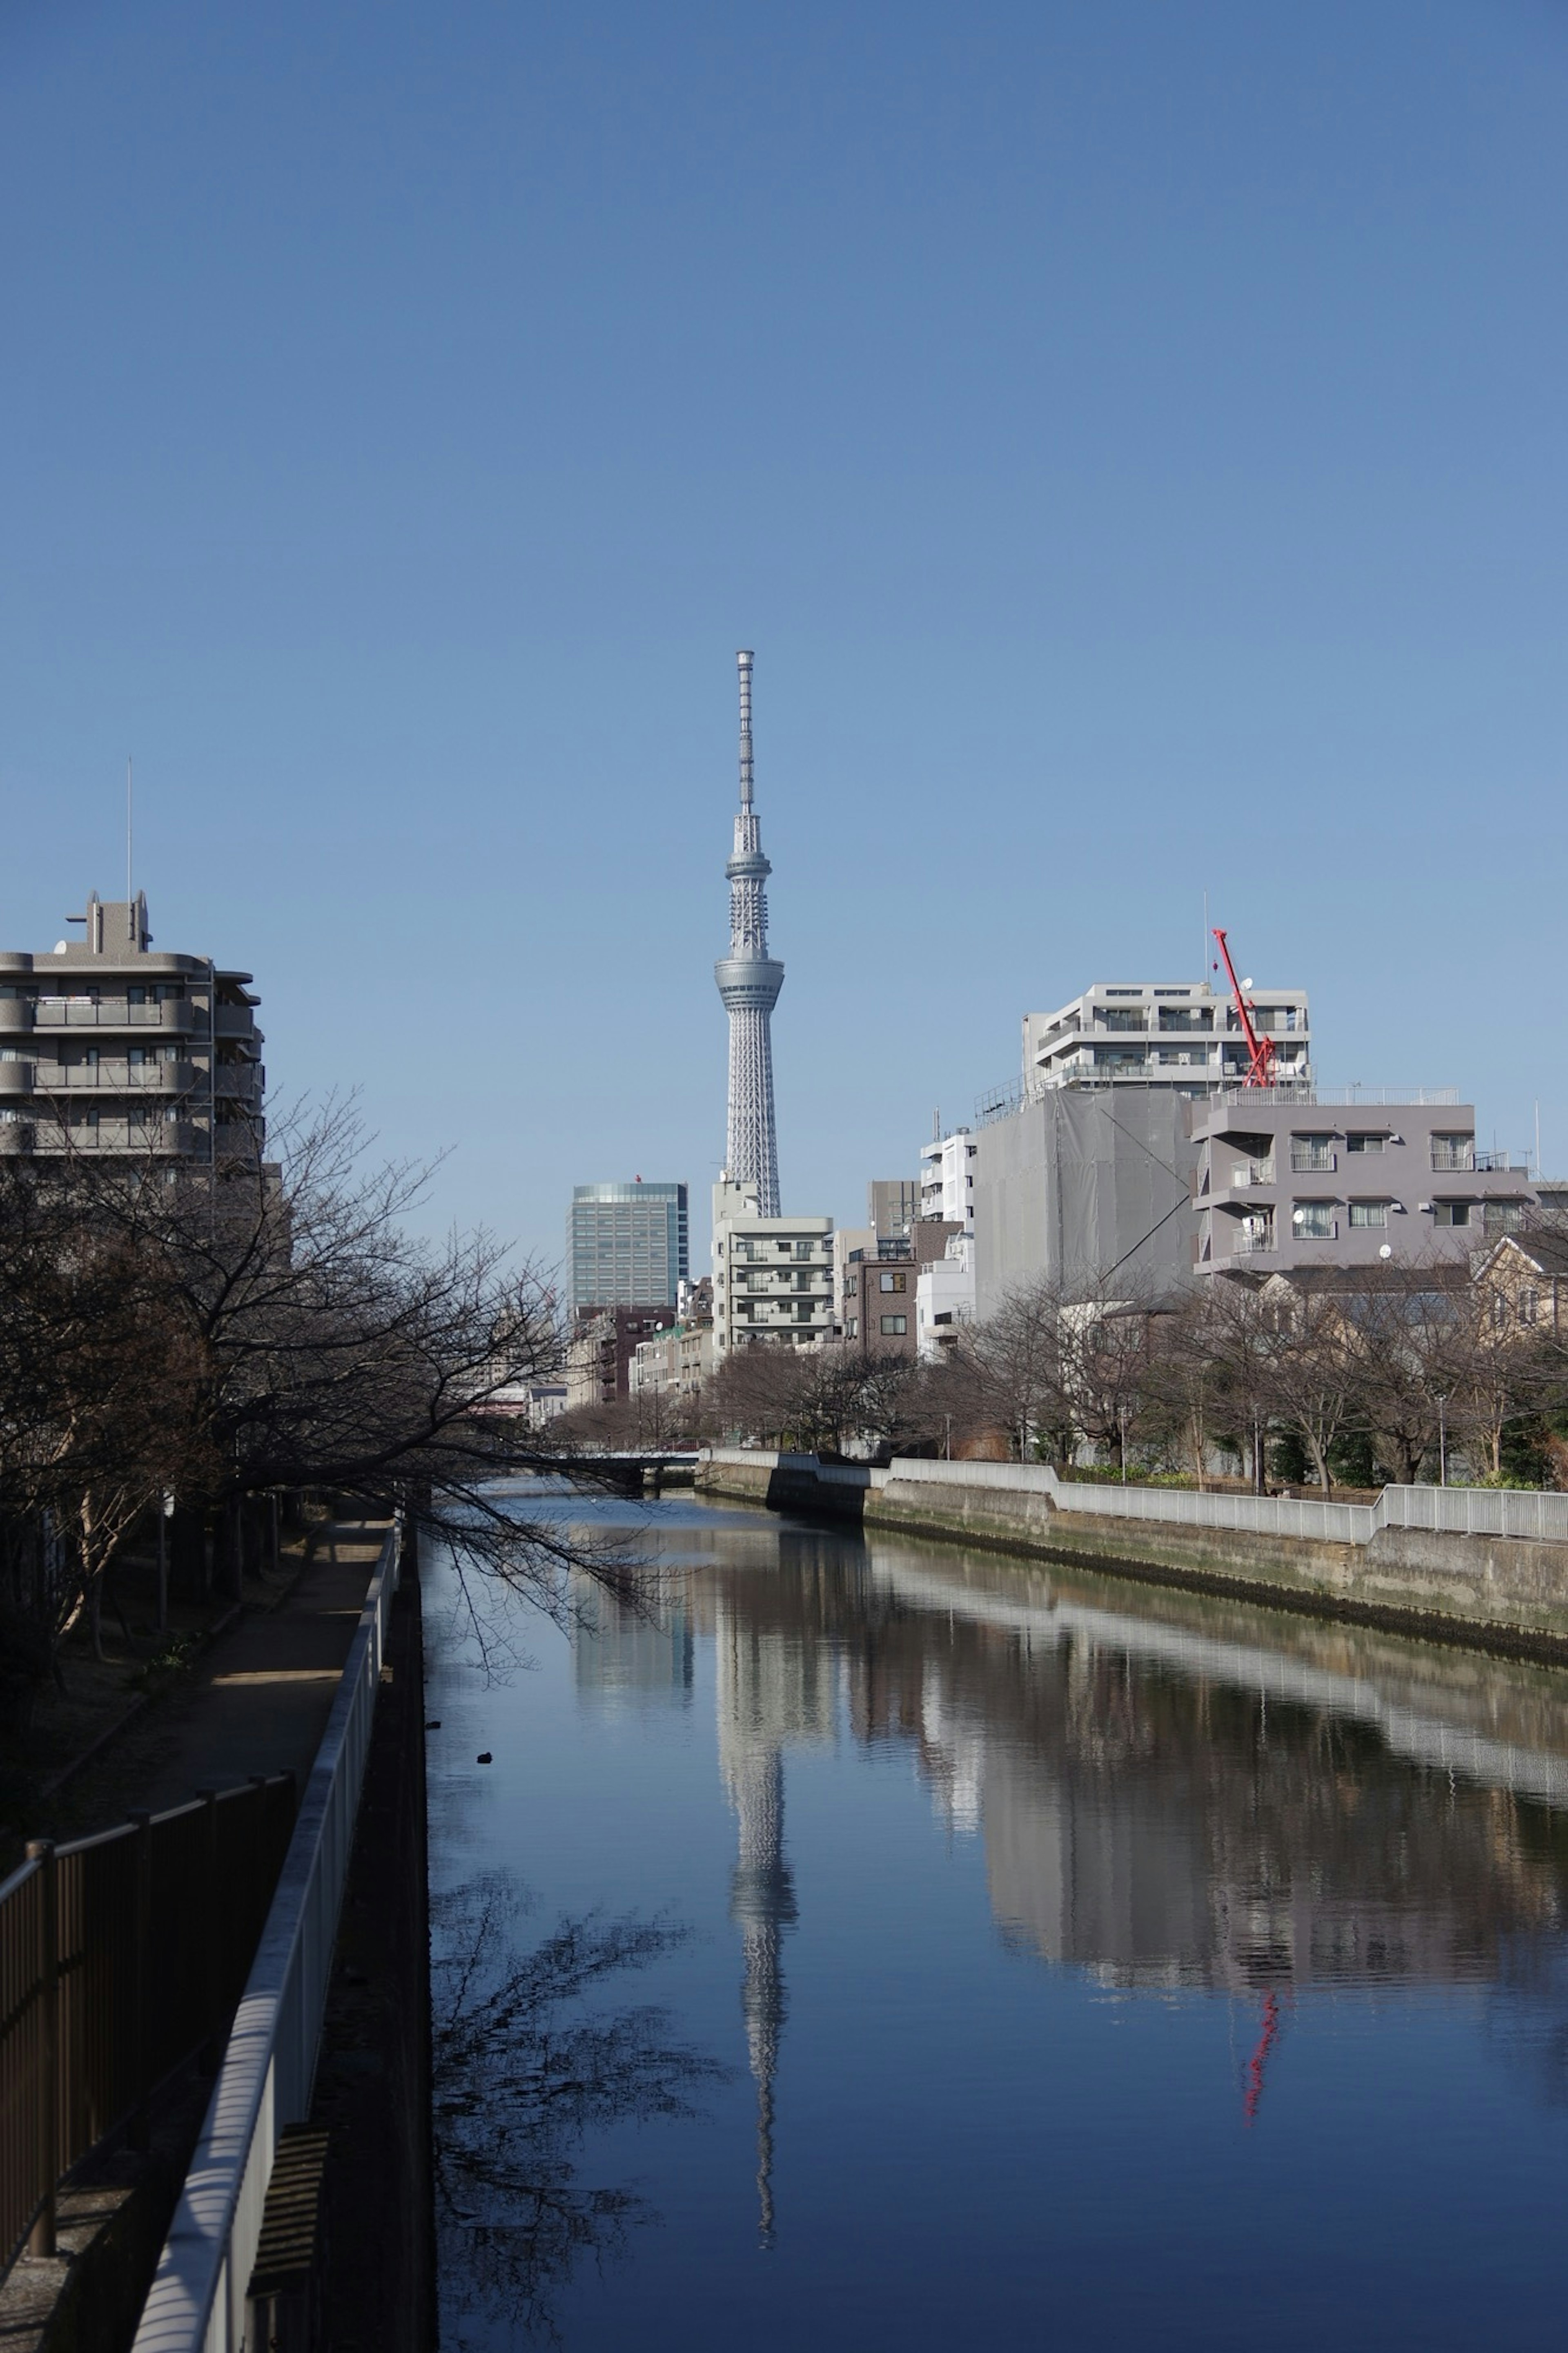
x=773, y=1277
x=1178, y=1036
x=947, y=1178
x=944, y=1299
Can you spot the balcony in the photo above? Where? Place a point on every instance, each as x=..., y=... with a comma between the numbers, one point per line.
x=152, y=1138
x=16, y=1078
x=15, y=1015
x=1454, y=1158
x=1255, y=1245
x=111, y=1078
x=1247, y=1173
x=16, y=1135
x=113, y=1013
x=236, y=1021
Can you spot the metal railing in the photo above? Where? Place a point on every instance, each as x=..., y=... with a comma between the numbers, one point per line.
x=1528, y=1512
x=198, y=2297
x=121, y=1955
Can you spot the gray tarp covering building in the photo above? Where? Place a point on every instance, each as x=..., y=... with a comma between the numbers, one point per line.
x=1082, y=1182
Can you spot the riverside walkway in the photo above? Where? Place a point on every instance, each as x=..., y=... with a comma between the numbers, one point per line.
x=257, y=1701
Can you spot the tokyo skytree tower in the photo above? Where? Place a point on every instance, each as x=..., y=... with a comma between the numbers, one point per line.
x=749, y=982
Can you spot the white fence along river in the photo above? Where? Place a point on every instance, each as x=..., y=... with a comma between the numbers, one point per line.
x=1451, y=1511
x=197, y=2303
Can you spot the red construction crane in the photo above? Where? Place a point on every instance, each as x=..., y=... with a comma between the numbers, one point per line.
x=1260, y=1051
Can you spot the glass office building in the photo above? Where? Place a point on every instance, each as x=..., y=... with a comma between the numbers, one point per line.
x=627, y=1245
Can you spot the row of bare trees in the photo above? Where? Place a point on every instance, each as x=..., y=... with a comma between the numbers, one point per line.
x=1429, y=1376
x=226, y=1339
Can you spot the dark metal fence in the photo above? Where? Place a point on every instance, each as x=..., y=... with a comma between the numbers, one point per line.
x=121, y=1956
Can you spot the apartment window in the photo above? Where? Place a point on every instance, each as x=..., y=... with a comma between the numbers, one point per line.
x=1365, y=1142
x=1453, y=1151
x=896, y=1281
x=803, y=1280
x=1501, y=1217
x=1450, y=1213
x=852, y=1328
x=1309, y=1152
x=1369, y=1213
x=1313, y=1221
x=894, y=1326
x=1529, y=1304
x=803, y=1310
x=803, y=1249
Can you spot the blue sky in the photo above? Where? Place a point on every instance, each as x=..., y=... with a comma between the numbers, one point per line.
x=1131, y=436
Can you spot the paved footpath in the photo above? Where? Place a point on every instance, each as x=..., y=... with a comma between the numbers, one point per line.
x=256, y=1702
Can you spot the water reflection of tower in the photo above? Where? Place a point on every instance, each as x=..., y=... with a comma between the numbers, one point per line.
x=769, y=1690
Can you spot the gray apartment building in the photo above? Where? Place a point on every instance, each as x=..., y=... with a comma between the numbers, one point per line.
x=627, y=1245
x=1299, y=1176
x=112, y=1051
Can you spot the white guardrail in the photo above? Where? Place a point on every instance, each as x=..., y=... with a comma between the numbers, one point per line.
x=1447, y=1511
x=197, y=2302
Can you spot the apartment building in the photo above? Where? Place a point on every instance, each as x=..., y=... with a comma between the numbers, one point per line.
x=947, y=1178
x=880, y=1285
x=600, y=1350
x=113, y=1050
x=1174, y=1035
x=675, y=1363
x=773, y=1277
x=1298, y=1176
x=892, y=1205
x=944, y=1298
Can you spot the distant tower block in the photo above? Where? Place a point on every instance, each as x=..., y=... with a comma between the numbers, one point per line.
x=749, y=982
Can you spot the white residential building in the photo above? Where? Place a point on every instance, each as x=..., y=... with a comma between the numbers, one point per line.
x=947, y=1178
x=944, y=1298
x=1176, y=1036
x=773, y=1277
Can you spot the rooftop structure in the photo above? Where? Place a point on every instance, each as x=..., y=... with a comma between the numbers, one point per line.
x=627, y=1245
x=749, y=982
x=110, y=1051
x=1171, y=1035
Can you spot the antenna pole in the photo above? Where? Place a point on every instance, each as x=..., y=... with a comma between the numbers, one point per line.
x=128, y=833
x=744, y=663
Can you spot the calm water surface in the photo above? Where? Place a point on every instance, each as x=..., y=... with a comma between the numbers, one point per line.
x=1024, y=1956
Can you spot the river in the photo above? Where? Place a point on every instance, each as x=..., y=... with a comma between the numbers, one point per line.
x=881, y=1945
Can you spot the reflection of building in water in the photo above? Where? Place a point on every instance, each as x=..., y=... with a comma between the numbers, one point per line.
x=1167, y=1810
x=774, y=1685
x=625, y=1655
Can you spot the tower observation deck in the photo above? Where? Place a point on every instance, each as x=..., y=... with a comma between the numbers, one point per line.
x=749, y=982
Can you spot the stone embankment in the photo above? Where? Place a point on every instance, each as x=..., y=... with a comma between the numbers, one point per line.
x=1421, y=1560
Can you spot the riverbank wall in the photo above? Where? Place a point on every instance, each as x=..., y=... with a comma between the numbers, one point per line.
x=1374, y=1564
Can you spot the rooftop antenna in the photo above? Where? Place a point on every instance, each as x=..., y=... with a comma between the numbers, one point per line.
x=128, y=836
x=744, y=663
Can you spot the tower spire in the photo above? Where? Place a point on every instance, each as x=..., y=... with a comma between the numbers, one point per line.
x=744, y=662
x=749, y=983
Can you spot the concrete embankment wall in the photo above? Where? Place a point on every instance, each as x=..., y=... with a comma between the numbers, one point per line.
x=1507, y=1591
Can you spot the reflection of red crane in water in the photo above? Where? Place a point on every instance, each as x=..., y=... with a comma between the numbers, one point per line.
x=1260, y=1051
x=1272, y=2023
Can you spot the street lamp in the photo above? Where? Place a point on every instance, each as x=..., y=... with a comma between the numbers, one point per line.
x=1121, y=1424
x=1442, y=1437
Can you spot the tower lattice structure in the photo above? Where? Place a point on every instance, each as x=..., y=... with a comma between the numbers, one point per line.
x=749, y=982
